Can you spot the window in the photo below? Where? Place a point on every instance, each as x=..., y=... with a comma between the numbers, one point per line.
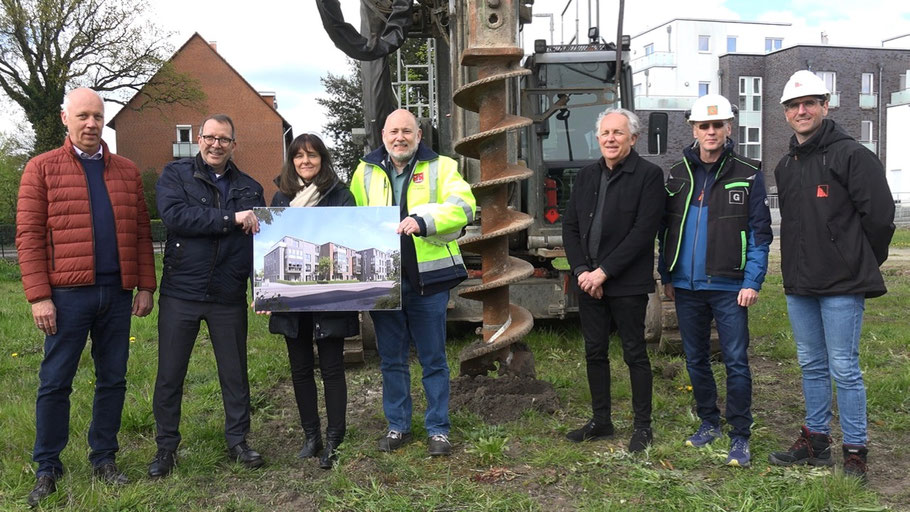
x=903, y=84
x=830, y=79
x=703, y=88
x=866, y=131
x=868, y=79
x=750, y=93
x=184, y=133
x=749, y=142
x=773, y=43
x=649, y=49
x=704, y=44
x=731, y=44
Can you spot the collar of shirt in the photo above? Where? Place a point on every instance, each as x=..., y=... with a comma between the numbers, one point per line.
x=85, y=156
x=390, y=165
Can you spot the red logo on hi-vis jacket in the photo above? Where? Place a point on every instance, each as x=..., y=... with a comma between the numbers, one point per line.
x=822, y=191
x=418, y=178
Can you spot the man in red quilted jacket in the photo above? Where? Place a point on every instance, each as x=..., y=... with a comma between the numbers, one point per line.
x=84, y=243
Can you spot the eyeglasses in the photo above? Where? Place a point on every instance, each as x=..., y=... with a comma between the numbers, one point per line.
x=716, y=124
x=809, y=104
x=210, y=140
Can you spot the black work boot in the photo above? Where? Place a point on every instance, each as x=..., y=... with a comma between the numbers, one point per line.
x=855, y=458
x=313, y=443
x=812, y=448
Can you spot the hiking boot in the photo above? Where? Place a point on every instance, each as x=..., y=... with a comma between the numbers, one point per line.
x=591, y=431
x=855, y=458
x=394, y=440
x=641, y=439
x=739, y=455
x=811, y=448
x=439, y=445
x=706, y=434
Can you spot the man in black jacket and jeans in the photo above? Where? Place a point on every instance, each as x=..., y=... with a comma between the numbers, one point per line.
x=837, y=219
x=609, y=230
x=206, y=204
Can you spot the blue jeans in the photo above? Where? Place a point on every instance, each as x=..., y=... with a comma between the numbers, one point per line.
x=421, y=321
x=826, y=330
x=694, y=310
x=104, y=312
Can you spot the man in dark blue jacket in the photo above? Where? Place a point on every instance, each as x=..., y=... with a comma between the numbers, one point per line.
x=717, y=231
x=206, y=204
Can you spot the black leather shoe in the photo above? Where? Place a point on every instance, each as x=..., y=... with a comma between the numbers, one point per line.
x=311, y=447
x=247, y=456
x=163, y=463
x=109, y=472
x=329, y=455
x=394, y=440
x=641, y=440
x=44, y=487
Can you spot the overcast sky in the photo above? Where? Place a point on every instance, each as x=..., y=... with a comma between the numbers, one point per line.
x=280, y=46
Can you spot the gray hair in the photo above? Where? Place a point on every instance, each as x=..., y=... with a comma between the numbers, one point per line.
x=634, y=122
x=221, y=118
x=66, y=99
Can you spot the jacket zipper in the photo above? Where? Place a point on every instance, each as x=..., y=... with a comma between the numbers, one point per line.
x=53, y=251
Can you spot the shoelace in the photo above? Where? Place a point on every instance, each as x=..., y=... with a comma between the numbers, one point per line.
x=740, y=445
x=440, y=437
x=799, y=443
x=394, y=434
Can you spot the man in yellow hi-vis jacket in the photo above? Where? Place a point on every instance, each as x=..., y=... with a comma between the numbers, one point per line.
x=436, y=204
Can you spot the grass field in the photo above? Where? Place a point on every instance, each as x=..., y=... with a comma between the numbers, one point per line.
x=521, y=465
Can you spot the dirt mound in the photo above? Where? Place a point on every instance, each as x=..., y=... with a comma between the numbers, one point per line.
x=502, y=399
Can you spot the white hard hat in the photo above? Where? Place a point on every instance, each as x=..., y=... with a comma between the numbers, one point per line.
x=804, y=83
x=711, y=107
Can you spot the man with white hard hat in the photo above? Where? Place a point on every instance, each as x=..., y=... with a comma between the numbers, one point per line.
x=837, y=219
x=714, y=255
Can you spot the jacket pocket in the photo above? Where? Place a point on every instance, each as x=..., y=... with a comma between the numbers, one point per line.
x=246, y=198
x=848, y=250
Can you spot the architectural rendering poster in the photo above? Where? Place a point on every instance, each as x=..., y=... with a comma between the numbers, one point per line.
x=327, y=259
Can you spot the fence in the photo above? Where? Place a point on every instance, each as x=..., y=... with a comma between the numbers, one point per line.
x=8, y=238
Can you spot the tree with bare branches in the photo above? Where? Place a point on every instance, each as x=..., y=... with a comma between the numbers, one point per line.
x=50, y=46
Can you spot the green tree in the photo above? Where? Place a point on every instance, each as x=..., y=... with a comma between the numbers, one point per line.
x=50, y=46
x=324, y=269
x=344, y=103
x=395, y=271
x=13, y=156
x=149, y=178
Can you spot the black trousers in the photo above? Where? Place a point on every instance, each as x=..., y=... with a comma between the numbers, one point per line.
x=178, y=326
x=331, y=365
x=628, y=313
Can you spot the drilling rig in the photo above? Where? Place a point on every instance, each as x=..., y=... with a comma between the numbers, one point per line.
x=524, y=129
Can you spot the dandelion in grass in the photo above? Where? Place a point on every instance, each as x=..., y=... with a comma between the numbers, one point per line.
x=132, y=339
x=15, y=354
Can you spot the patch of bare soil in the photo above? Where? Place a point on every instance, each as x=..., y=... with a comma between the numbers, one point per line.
x=502, y=399
x=777, y=403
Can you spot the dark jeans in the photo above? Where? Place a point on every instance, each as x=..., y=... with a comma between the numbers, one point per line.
x=331, y=364
x=178, y=326
x=104, y=312
x=628, y=313
x=694, y=309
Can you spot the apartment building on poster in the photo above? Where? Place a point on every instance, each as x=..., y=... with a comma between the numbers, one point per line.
x=296, y=260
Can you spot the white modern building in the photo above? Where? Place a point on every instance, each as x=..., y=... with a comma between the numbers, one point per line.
x=676, y=62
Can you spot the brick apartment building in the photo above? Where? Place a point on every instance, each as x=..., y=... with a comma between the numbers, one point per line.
x=154, y=137
x=870, y=87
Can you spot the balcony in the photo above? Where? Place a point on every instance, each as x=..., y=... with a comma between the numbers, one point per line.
x=654, y=60
x=870, y=145
x=664, y=102
x=185, y=149
x=900, y=97
x=868, y=101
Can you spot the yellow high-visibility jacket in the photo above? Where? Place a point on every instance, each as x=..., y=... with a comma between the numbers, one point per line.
x=441, y=202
